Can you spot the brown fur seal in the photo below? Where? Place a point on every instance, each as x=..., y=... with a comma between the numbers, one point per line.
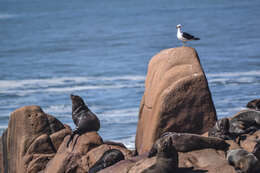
x=243, y=161
x=254, y=104
x=166, y=158
x=83, y=118
x=109, y=158
x=185, y=142
x=245, y=122
x=221, y=129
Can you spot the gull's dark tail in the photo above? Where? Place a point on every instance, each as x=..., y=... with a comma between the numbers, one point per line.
x=196, y=38
x=76, y=131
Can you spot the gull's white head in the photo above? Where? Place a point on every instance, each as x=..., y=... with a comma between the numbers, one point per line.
x=178, y=26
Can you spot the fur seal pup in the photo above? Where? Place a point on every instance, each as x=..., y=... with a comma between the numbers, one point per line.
x=254, y=104
x=83, y=118
x=166, y=158
x=109, y=158
x=245, y=122
x=221, y=129
x=185, y=142
x=243, y=161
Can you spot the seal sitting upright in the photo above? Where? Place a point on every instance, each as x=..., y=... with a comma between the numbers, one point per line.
x=166, y=158
x=221, y=129
x=83, y=118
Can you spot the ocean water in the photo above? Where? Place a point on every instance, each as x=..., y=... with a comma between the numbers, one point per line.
x=100, y=50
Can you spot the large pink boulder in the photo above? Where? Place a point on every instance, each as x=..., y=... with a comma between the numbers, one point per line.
x=176, y=98
x=31, y=140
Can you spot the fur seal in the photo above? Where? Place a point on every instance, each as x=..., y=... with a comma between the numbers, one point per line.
x=256, y=150
x=185, y=142
x=109, y=158
x=166, y=158
x=83, y=118
x=243, y=161
x=254, y=104
x=245, y=122
x=221, y=129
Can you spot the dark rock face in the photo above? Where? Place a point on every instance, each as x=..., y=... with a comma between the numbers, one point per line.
x=176, y=98
x=28, y=140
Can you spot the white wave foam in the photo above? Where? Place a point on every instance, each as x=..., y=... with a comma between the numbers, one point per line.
x=69, y=89
x=29, y=83
x=235, y=74
x=129, y=142
x=120, y=116
x=232, y=80
x=58, y=109
x=121, y=112
x=3, y=126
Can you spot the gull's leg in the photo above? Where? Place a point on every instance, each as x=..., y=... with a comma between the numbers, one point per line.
x=183, y=43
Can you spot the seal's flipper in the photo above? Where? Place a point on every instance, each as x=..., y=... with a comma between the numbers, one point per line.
x=76, y=131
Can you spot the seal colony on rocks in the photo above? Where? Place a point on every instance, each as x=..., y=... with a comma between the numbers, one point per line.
x=109, y=158
x=83, y=118
x=243, y=123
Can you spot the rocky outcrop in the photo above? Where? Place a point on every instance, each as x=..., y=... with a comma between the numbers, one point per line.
x=36, y=142
x=29, y=141
x=206, y=160
x=176, y=98
x=83, y=152
x=74, y=158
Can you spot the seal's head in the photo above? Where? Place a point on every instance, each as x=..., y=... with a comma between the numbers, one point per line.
x=77, y=101
x=223, y=125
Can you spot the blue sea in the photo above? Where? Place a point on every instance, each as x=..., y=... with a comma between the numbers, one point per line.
x=100, y=50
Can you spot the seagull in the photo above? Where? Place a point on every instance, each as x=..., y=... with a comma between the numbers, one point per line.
x=184, y=36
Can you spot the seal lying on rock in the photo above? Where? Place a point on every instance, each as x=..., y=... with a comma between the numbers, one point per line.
x=83, y=118
x=221, y=129
x=254, y=104
x=245, y=122
x=109, y=158
x=185, y=142
x=166, y=158
x=243, y=161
